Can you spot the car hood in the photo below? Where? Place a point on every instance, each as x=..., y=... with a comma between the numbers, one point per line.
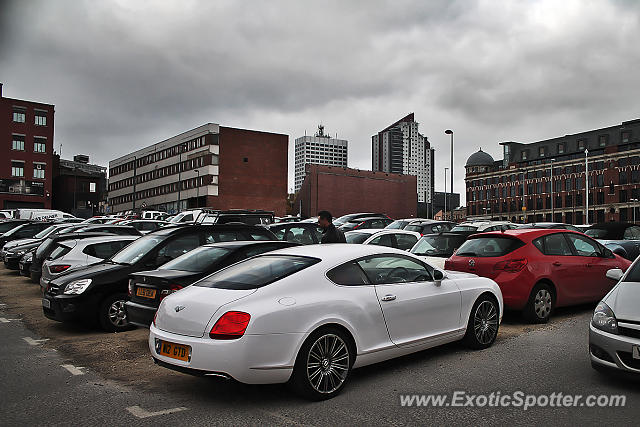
x=93, y=271
x=20, y=242
x=624, y=300
x=24, y=247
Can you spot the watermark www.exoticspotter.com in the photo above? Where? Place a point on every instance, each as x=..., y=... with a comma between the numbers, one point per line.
x=517, y=399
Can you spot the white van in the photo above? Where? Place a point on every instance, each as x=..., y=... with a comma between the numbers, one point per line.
x=151, y=214
x=40, y=214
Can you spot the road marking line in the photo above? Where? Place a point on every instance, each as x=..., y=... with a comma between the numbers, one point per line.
x=5, y=320
x=138, y=412
x=75, y=370
x=31, y=341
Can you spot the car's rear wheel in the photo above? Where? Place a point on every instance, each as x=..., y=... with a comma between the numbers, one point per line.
x=484, y=320
x=112, y=315
x=323, y=364
x=540, y=304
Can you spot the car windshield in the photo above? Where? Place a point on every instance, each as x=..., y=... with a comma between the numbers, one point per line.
x=489, y=246
x=256, y=272
x=397, y=224
x=197, y=260
x=464, y=228
x=44, y=233
x=356, y=237
x=436, y=245
x=136, y=250
x=597, y=233
x=634, y=273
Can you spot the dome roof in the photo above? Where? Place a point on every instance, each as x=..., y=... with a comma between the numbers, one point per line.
x=480, y=158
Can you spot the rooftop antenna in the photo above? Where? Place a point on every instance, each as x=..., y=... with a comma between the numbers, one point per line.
x=60, y=150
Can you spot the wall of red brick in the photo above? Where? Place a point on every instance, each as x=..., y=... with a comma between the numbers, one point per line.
x=343, y=190
x=30, y=130
x=253, y=171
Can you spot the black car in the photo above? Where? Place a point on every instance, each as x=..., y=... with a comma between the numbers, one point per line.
x=25, y=263
x=145, y=225
x=304, y=233
x=148, y=288
x=23, y=231
x=99, y=291
x=430, y=227
x=13, y=251
x=121, y=230
x=622, y=238
x=10, y=224
x=441, y=245
x=351, y=217
x=366, y=223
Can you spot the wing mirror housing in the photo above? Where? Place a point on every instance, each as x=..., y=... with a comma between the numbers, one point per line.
x=615, y=274
x=438, y=277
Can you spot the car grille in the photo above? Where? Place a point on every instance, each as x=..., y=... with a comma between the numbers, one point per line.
x=633, y=333
x=628, y=359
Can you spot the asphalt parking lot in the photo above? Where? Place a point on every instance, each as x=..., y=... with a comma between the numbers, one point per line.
x=532, y=358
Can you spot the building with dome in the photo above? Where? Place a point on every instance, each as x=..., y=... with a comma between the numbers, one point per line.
x=546, y=180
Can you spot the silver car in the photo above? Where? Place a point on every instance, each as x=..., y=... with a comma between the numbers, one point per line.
x=614, y=332
x=74, y=253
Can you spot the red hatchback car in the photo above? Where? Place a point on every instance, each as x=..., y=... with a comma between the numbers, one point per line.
x=539, y=269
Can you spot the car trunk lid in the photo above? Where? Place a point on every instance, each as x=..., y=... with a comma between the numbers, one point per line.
x=188, y=311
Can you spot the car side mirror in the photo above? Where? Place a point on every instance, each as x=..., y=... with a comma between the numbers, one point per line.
x=438, y=277
x=615, y=274
x=607, y=253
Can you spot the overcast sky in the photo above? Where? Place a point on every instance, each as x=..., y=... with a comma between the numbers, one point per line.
x=126, y=74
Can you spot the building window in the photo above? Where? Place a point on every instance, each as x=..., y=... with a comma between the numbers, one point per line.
x=38, y=170
x=602, y=140
x=581, y=144
x=623, y=196
x=600, y=198
x=17, y=168
x=542, y=151
x=622, y=177
x=40, y=145
x=40, y=118
x=18, y=142
x=626, y=136
x=524, y=154
x=612, y=188
x=19, y=115
x=560, y=148
x=600, y=180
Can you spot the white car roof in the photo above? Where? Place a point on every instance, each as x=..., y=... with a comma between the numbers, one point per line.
x=100, y=239
x=373, y=231
x=338, y=253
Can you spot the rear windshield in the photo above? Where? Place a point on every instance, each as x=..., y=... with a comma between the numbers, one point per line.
x=464, y=228
x=44, y=233
x=198, y=260
x=256, y=272
x=634, y=273
x=356, y=237
x=597, y=233
x=416, y=228
x=61, y=250
x=397, y=225
x=437, y=245
x=488, y=246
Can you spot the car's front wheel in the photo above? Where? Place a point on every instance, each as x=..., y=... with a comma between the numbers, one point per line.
x=112, y=315
x=323, y=364
x=484, y=320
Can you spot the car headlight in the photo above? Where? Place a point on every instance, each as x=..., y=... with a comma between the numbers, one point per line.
x=77, y=287
x=604, y=319
x=28, y=257
x=19, y=253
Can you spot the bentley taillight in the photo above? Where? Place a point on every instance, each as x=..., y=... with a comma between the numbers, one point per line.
x=230, y=326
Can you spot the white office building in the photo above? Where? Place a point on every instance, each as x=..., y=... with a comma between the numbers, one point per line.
x=319, y=149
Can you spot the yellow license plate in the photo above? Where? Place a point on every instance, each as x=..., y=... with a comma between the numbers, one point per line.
x=175, y=351
x=146, y=293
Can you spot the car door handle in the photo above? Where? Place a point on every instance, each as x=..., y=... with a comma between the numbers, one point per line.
x=388, y=298
x=557, y=264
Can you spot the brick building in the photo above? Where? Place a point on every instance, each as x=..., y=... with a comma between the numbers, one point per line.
x=79, y=187
x=26, y=129
x=343, y=190
x=519, y=187
x=211, y=165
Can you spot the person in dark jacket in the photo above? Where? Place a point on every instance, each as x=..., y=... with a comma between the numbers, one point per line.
x=330, y=234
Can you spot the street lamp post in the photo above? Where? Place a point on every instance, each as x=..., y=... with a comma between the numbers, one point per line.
x=198, y=189
x=444, y=212
x=552, y=210
x=634, y=208
x=180, y=149
x=586, y=185
x=450, y=132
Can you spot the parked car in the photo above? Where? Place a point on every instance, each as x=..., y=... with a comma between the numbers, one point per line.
x=148, y=288
x=145, y=225
x=539, y=270
x=400, y=224
x=614, y=330
x=550, y=225
x=392, y=238
x=621, y=237
x=483, y=226
x=14, y=250
x=309, y=315
x=97, y=220
x=304, y=233
x=430, y=226
x=216, y=216
x=289, y=218
x=10, y=224
x=23, y=231
x=25, y=263
x=122, y=230
x=365, y=223
x=99, y=291
x=436, y=248
x=351, y=217
x=74, y=253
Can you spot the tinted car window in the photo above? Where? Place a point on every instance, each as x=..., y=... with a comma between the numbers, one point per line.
x=104, y=250
x=583, y=246
x=388, y=269
x=136, y=250
x=197, y=260
x=256, y=272
x=384, y=240
x=60, y=251
x=464, y=228
x=632, y=233
x=6, y=226
x=412, y=227
x=397, y=225
x=300, y=235
x=179, y=246
x=556, y=244
x=488, y=246
x=347, y=274
x=596, y=233
x=405, y=241
x=356, y=237
x=437, y=245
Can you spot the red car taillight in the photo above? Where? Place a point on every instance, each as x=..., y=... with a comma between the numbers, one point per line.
x=358, y=225
x=130, y=288
x=59, y=268
x=512, y=265
x=166, y=292
x=230, y=326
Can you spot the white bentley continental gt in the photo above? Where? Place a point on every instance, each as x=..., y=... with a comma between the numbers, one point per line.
x=308, y=315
